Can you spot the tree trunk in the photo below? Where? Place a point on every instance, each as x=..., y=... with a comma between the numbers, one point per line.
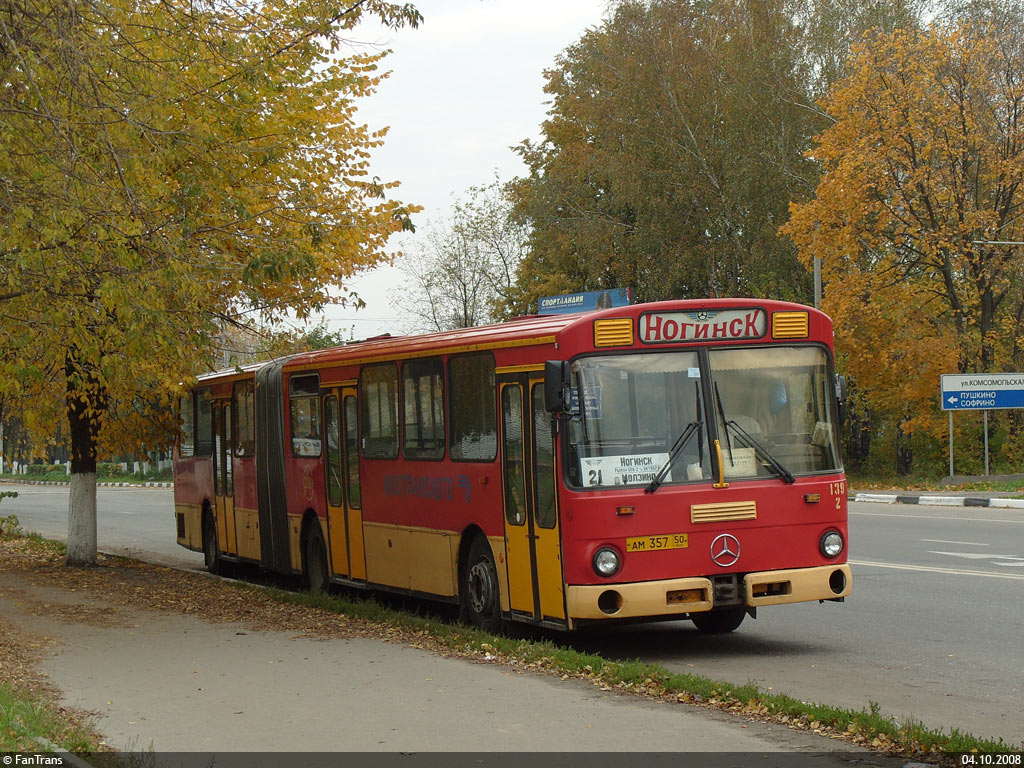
x=82, y=520
x=86, y=401
x=988, y=314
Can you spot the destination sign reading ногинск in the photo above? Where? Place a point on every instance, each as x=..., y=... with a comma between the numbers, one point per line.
x=982, y=391
x=702, y=324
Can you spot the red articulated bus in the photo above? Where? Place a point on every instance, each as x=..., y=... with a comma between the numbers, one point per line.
x=668, y=460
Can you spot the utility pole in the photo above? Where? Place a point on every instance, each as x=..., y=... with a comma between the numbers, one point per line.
x=817, y=282
x=817, y=271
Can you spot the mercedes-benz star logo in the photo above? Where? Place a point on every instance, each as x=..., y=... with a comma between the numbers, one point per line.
x=725, y=550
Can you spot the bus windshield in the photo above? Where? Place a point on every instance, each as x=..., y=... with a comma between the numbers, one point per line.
x=641, y=419
x=627, y=413
x=779, y=399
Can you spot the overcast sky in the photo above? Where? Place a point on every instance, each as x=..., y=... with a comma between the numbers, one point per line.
x=464, y=88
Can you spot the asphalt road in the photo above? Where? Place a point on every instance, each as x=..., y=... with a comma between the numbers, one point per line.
x=129, y=520
x=932, y=630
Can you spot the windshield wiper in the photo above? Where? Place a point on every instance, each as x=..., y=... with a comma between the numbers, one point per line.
x=677, y=446
x=750, y=441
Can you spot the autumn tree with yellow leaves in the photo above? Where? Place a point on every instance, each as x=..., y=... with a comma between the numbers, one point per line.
x=169, y=166
x=921, y=187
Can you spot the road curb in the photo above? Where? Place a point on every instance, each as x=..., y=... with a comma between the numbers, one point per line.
x=64, y=483
x=937, y=501
x=65, y=755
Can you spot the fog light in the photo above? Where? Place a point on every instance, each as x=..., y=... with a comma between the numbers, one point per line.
x=609, y=602
x=831, y=544
x=606, y=562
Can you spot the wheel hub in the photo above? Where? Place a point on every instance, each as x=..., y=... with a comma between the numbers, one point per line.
x=481, y=588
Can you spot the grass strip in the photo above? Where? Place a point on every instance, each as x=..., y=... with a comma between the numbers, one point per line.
x=1013, y=488
x=26, y=718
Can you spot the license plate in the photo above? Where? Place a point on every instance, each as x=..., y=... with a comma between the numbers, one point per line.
x=653, y=543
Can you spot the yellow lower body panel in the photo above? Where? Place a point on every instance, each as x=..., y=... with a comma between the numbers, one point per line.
x=410, y=558
x=798, y=585
x=643, y=598
x=191, y=524
x=247, y=527
x=295, y=541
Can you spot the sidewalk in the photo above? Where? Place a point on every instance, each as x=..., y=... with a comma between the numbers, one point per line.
x=172, y=679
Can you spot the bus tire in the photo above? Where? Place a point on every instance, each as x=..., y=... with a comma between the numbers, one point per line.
x=211, y=552
x=719, y=621
x=479, y=593
x=314, y=558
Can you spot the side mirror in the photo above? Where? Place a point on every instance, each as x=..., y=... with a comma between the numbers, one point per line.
x=554, y=385
x=841, y=398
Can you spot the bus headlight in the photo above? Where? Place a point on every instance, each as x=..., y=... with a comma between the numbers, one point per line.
x=831, y=544
x=607, y=562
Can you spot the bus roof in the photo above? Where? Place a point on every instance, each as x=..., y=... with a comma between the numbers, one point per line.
x=530, y=329
x=483, y=336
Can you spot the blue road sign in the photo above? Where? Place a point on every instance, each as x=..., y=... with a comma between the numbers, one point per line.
x=582, y=302
x=982, y=391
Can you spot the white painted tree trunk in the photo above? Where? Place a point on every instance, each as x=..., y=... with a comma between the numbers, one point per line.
x=82, y=519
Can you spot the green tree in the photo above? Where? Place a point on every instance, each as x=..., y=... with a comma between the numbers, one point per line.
x=676, y=135
x=319, y=337
x=169, y=164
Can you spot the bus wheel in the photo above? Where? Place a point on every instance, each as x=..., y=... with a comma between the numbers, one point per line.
x=211, y=555
x=479, y=596
x=314, y=559
x=720, y=621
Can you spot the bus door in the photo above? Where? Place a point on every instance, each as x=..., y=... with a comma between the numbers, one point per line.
x=533, y=550
x=224, y=480
x=344, y=515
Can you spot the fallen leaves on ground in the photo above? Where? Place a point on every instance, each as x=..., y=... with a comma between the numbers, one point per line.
x=106, y=594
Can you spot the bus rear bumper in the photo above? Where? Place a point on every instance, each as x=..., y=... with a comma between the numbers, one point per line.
x=681, y=596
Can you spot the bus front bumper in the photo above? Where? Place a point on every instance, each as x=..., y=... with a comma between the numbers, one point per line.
x=693, y=595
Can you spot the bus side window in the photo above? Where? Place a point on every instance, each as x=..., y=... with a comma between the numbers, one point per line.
x=379, y=411
x=423, y=406
x=243, y=414
x=332, y=432
x=471, y=408
x=186, y=447
x=515, y=479
x=305, y=415
x=544, y=462
x=352, y=453
x=204, y=424
x=226, y=454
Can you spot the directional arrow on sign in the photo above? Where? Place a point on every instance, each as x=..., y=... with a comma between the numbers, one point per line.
x=953, y=400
